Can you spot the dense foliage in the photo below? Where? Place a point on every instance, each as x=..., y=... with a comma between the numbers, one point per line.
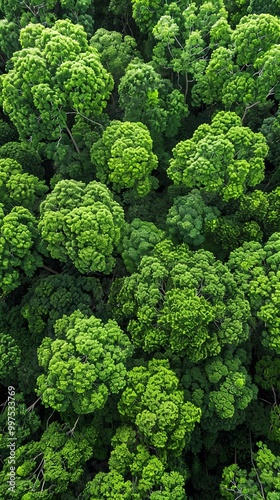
x=140, y=250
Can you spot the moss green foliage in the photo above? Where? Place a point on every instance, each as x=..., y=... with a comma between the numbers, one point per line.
x=223, y=389
x=17, y=15
x=240, y=73
x=256, y=269
x=55, y=461
x=7, y=132
x=153, y=402
x=53, y=296
x=139, y=239
x=116, y=51
x=28, y=423
x=26, y=155
x=135, y=473
x=10, y=355
x=18, y=254
x=146, y=97
x=188, y=218
x=261, y=480
x=17, y=187
x=140, y=249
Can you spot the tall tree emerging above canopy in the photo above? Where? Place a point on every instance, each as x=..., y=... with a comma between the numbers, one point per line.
x=56, y=74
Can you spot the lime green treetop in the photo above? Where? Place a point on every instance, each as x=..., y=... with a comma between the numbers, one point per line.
x=82, y=223
x=123, y=157
x=56, y=74
x=223, y=158
x=84, y=365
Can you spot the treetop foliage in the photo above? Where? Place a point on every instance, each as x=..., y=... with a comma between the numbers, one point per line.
x=139, y=249
x=52, y=77
x=82, y=223
x=224, y=158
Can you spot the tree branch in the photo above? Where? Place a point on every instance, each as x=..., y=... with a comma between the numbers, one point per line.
x=50, y=269
x=72, y=139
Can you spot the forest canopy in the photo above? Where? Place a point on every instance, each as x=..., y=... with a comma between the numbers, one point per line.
x=140, y=250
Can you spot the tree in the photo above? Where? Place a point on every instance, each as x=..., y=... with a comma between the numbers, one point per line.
x=23, y=346
x=116, y=51
x=139, y=239
x=19, y=241
x=7, y=133
x=256, y=271
x=181, y=39
x=51, y=297
x=124, y=159
x=262, y=481
x=146, y=16
x=10, y=356
x=26, y=155
x=27, y=426
x=153, y=402
x=270, y=129
x=224, y=158
x=134, y=473
x=9, y=35
x=82, y=223
x=18, y=15
x=74, y=162
x=146, y=97
x=106, y=486
x=55, y=75
x=223, y=388
x=242, y=75
x=17, y=187
x=134, y=468
x=49, y=466
x=259, y=7
x=84, y=365
x=181, y=301
x=188, y=218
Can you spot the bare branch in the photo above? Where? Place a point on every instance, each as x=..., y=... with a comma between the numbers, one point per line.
x=72, y=139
